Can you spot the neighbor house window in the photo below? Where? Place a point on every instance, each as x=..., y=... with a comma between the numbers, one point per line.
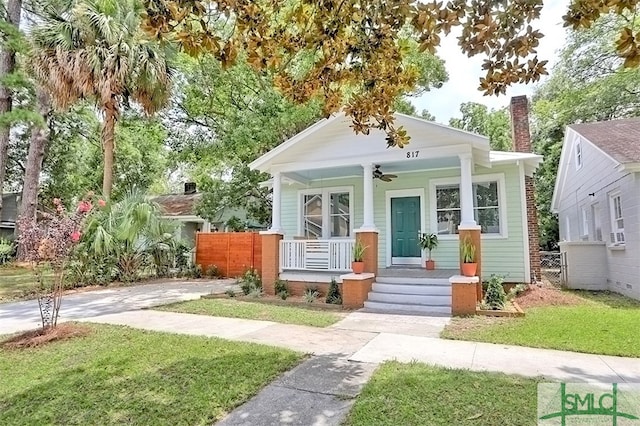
x=326, y=213
x=597, y=226
x=585, y=223
x=578, y=154
x=617, y=222
x=486, y=207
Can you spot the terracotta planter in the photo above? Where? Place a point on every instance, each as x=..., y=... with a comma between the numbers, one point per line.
x=469, y=269
x=357, y=267
x=430, y=265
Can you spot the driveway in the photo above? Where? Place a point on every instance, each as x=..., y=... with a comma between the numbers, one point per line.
x=21, y=316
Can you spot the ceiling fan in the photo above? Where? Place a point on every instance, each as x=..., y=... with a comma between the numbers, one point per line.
x=377, y=174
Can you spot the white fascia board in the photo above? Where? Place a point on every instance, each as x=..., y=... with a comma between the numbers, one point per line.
x=264, y=162
x=478, y=141
x=385, y=157
x=560, y=176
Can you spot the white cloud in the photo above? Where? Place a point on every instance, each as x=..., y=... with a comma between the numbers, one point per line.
x=464, y=72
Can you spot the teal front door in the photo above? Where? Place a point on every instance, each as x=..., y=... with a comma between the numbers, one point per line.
x=405, y=228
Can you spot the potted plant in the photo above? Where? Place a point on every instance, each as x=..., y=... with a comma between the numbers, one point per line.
x=428, y=242
x=468, y=254
x=357, y=265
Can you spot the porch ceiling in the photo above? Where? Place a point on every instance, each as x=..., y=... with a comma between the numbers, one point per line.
x=388, y=167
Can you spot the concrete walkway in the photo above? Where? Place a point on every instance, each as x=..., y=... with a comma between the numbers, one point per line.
x=21, y=316
x=322, y=390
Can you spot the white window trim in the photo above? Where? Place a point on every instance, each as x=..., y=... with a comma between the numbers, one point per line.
x=613, y=220
x=578, y=155
x=326, y=216
x=502, y=206
x=584, y=218
x=398, y=193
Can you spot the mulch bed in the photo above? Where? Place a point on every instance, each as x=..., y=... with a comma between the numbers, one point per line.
x=536, y=296
x=40, y=337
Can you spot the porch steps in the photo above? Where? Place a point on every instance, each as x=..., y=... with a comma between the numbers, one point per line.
x=423, y=296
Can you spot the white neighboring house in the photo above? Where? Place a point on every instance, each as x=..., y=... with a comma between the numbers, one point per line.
x=597, y=199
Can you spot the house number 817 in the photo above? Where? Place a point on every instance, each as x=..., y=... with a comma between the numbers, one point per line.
x=412, y=154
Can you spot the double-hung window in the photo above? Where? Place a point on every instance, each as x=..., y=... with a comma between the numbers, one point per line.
x=327, y=213
x=578, y=154
x=487, y=206
x=617, y=221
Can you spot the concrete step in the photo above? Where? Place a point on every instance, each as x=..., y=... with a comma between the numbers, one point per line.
x=406, y=308
x=410, y=299
x=422, y=289
x=413, y=281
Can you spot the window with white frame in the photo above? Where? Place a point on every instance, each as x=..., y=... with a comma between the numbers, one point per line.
x=617, y=221
x=486, y=207
x=585, y=223
x=578, y=154
x=326, y=213
x=597, y=225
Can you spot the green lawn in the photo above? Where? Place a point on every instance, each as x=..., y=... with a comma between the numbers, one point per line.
x=256, y=311
x=118, y=375
x=419, y=394
x=602, y=323
x=16, y=283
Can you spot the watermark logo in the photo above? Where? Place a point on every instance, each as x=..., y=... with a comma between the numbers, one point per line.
x=569, y=404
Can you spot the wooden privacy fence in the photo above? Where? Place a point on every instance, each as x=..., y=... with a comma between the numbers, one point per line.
x=232, y=252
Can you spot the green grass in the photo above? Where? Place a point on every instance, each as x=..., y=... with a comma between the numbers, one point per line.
x=603, y=323
x=255, y=311
x=119, y=375
x=419, y=394
x=16, y=283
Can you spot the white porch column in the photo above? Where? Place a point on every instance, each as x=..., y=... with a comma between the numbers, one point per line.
x=276, y=225
x=466, y=192
x=368, y=223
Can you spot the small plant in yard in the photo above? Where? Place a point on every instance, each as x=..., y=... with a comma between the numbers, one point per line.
x=250, y=281
x=311, y=294
x=333, y=295
x=229, y=292
x=7, y=250
x=212, y=271
x=495, y=297
x=256, y=292
x=516, y=291
x=282, y=289
x=49, y=244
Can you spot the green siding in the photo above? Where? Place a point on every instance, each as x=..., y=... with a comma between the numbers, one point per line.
x=499, y=255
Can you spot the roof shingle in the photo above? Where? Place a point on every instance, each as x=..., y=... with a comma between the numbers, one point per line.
x=618, y=138
x=178, y=204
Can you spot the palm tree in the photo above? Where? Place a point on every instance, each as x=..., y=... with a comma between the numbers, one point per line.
x=95, y=49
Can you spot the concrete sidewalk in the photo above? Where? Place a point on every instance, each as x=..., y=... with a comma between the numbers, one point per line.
x=397, y=338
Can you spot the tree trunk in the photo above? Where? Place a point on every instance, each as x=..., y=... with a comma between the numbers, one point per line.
x=37, y=145
x=7, y=65
x=108, y=147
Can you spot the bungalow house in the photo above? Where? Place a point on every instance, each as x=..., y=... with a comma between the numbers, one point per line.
x=597, y=199
x=331, y=186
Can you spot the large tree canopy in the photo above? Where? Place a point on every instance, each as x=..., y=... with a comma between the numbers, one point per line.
x=356, y=48
x=495, y=124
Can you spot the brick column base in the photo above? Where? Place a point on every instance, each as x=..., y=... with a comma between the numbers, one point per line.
x=463, y=295
x=474, y=234
x=270, y=260
x=355, y=289
x=370, y=241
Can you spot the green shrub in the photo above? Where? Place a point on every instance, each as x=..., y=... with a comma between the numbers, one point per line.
x=495, y=297
x=229, y=292
x=212, y=271
x=7, y=250
x=333, y=295
x=516, y=290
x=250, y=281
x=311, y=294
x=282, y=289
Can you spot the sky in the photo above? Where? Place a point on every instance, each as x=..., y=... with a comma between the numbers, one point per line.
x=464, y=72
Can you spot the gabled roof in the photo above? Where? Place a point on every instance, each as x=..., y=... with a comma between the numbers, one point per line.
x=620, y=139
x=332, y=141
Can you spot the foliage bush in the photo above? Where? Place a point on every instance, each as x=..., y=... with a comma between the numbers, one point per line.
x=495, y=297
x=212, y=271
x=516, y=291
x=311, y=294
x=333, y=295
x=229, y=292
x=235, y=224
x=250, y=281
x=7, y=250
x=282, y=289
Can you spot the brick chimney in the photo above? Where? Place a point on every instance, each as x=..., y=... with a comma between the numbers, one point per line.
x=522, y=143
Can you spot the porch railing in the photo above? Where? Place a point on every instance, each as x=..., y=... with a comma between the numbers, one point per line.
x=316, y=255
